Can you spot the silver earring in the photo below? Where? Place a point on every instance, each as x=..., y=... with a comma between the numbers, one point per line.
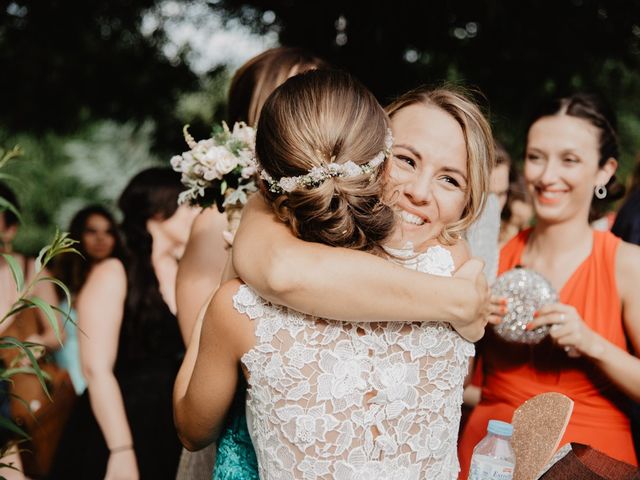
x=600, y=192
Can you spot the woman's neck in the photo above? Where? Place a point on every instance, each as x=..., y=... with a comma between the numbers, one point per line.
x=559, y=238
x=557, y=250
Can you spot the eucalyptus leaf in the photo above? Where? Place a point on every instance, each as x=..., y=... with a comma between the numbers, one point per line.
x=49, y=313
x=24, y=347
x=8, y=424
x=16, y=271
x=7, y=205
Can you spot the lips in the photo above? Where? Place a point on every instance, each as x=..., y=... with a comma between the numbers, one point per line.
x=549, y=197
x=411, y=218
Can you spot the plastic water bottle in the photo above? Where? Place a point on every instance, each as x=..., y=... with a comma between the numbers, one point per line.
x=493, y=458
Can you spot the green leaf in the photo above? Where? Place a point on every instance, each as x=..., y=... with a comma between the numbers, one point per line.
x=49, y=313
x=17, y=307
x=40, y=257
x=62, y=287
x=6, y=176
x=7, y=205
x=8, y=424
x=10, y=154
x=24, y=346
x=16, y=271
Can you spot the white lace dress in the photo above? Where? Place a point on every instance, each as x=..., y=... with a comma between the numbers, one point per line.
x=337, y=400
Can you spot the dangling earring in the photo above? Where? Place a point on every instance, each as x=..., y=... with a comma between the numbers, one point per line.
x=600, y=192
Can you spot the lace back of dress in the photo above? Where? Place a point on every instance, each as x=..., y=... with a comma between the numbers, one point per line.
x=349, y=401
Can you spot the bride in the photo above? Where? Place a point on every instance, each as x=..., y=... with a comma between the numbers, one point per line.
x=329, y=399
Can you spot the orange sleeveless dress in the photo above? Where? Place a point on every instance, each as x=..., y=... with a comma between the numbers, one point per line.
x=513, y=373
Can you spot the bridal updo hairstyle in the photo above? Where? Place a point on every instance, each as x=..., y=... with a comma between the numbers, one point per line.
x=313, y=119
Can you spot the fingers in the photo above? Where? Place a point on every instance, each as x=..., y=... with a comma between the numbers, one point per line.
x=548, y=316
x=496, y=309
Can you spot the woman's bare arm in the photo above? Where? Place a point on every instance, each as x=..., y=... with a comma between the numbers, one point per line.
x=200, y=267
x=570, y=331
x=348, y=285
x=100, y=311
x=226, y=335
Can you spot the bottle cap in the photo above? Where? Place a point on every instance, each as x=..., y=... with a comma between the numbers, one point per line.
x=500, y=428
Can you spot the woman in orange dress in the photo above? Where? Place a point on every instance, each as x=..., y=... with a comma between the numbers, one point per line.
x=570, y=157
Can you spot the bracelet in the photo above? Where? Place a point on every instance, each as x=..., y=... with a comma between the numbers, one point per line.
x=121, y=448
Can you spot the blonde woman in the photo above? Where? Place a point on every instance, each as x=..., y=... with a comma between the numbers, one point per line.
x=327, y=398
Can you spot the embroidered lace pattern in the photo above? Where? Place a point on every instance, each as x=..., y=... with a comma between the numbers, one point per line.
x=334, y=400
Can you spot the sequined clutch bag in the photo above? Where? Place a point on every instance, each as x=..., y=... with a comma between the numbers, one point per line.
x=526, y=291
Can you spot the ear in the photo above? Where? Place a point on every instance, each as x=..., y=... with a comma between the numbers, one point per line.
x=606, y=171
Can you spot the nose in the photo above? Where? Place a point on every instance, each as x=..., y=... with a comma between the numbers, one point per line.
x=549, y=173
x=419, y=190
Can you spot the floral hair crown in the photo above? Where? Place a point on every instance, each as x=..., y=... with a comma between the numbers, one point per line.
x=317, y=175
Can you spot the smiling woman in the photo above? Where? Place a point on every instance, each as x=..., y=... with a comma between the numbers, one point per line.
x=571, y=158
x=321, y=148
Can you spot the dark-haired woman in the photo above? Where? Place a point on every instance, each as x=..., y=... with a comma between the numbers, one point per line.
x=571, y=157
x=98, y=239
x=131, y=348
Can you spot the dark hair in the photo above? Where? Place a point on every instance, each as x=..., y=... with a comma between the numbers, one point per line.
x=254, y=81
x=10, y=218
x=517, y=191
x=312, y=119
x=152, y=193
x=502, y=157
x=73, y=269
x=593, y=109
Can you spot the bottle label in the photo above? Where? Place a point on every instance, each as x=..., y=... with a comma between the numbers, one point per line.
x=484, y=467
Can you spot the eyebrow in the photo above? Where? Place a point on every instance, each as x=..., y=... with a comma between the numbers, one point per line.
x=455, y=170
x=410, y=148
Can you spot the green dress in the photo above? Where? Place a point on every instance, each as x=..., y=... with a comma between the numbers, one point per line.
x=235, y=457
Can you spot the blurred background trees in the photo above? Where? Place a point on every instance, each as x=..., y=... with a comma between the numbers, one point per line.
x=98, y=90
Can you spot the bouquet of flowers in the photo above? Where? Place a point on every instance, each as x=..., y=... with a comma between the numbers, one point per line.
x=219, y=170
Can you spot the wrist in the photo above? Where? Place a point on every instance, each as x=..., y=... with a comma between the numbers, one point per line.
x=597, y=347
x=121, y=448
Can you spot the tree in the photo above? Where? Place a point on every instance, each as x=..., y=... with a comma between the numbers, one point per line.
x=516, y=53
x=72, y=62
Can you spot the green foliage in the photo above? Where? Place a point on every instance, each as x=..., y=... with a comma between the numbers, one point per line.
x=26, y=361
x=517, y=53
x=206, y=106
x=63, y=173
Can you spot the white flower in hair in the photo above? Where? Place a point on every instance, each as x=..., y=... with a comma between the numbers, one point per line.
x=318, y=174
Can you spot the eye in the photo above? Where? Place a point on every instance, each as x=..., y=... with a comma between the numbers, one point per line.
x=408, y=160
x=571, y=160
x=532, y=157
x=451, y=180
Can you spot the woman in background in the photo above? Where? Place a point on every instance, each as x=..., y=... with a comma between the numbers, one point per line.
x=571, y=157
x=96, y=232
x=131, y=347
